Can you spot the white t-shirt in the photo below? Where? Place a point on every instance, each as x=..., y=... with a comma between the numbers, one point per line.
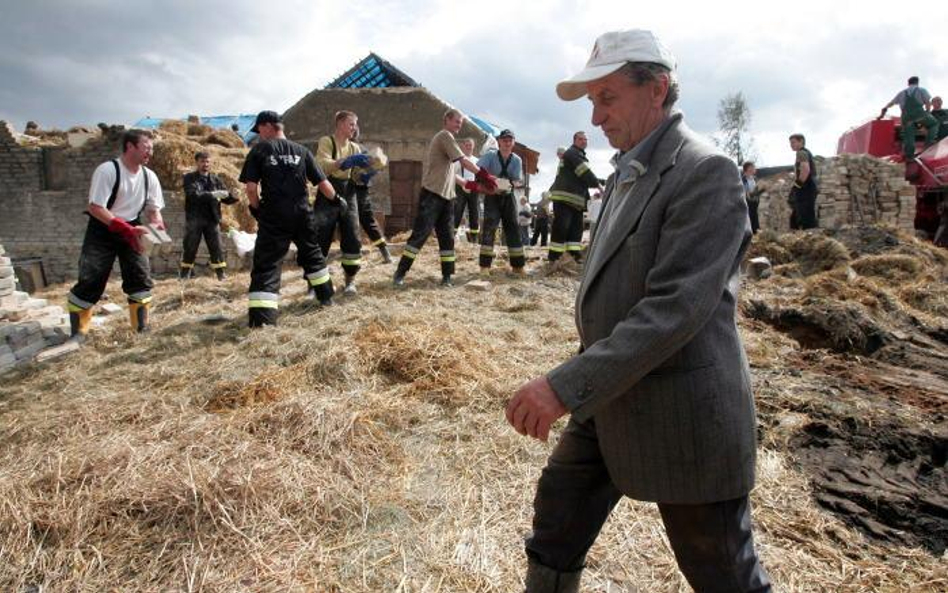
x=131, y=191
x=594, y=205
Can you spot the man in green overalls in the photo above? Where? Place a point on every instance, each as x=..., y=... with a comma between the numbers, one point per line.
x=941, y=115
x=915, y=102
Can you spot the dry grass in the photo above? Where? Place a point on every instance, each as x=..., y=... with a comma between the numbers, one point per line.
x=356, y=448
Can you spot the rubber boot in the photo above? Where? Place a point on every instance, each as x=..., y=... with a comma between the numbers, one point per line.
x=386, y=256
x=350, y=287
x=138, y=316
x=446, y=281
x=185, y=272
x=79, y=323
x=543, y=579
x=221, y=274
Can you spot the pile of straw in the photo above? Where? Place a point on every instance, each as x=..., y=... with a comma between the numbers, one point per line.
x=356, y=448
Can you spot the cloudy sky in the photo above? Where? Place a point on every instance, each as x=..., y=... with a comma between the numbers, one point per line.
x=817, y=68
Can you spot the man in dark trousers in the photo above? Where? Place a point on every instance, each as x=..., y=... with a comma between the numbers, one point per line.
x=659, y=396
x=541, y=218
x=204, y=192
x=337, y=155
x=467, y=200
x=124, y=194
x=751, y=193
x=500, y=206
x=569, y=194
x=284, y=214
x=804, y=189
x=362, y=181
x=436, y=202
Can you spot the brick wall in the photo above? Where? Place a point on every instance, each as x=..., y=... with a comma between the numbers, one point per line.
x=43, y=196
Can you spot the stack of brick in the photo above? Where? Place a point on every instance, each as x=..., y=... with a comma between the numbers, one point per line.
x=27, y=325
x=855, y=190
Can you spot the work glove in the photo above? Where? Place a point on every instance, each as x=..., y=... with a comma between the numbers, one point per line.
x=472, y=187
x=366, y=177
x=486, y=180
x=356, y=160
x=128, y=233
x=220, y=194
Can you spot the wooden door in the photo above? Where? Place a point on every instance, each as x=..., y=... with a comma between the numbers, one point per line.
x=405, y=185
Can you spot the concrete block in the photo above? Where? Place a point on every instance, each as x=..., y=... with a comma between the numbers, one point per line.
x=5, y=261
x=110, y=309
x=759, y=268
x=480, y=285
x=6, y=271
x=161, y=235
x=35, y=304
x=30, y=350
x=57, y=351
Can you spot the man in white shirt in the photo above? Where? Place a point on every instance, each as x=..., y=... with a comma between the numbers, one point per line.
x=466, y=199
x=123, y=193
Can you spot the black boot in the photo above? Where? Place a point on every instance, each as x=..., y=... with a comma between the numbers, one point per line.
x=543, y=579
x=221, y=274
x=386, y=256
x=185, y=272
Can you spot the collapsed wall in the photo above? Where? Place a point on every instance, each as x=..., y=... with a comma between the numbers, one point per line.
x=44, y=187
x=27, y=325
x=855, y=190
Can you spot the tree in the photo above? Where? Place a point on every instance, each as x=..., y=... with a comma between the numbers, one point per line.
x=734, y=117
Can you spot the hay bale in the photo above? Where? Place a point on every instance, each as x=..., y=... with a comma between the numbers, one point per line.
x=174, y=126
x=225, y=138
x=894, y=268
x=199, y=130
x=815, y=252
x=172, y=158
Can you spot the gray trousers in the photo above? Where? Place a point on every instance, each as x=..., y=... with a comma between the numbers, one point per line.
x=713, y=543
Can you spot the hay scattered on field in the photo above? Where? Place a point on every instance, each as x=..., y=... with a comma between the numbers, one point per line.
x=359, y=448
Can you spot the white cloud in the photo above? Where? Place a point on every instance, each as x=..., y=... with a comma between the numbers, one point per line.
x=816, y=69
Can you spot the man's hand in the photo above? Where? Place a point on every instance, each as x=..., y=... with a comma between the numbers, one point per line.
x=882, y=113
x=534, y=408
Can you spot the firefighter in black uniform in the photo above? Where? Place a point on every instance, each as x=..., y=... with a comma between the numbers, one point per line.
x=362, y=180
x=569, y=194
x=204, y=192
x=284, y=214
x=337, y=155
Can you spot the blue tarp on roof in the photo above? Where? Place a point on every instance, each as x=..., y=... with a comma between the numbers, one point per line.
x=218, y=122
x=488, y=127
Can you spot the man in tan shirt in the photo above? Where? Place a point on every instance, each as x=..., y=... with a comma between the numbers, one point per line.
x=435, y=204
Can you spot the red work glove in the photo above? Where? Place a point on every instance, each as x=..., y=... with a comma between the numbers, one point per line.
x=128, y=233
x=472, y=186
x=487, y=181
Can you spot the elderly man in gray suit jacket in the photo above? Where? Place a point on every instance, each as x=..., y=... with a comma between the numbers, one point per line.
x=659, y=396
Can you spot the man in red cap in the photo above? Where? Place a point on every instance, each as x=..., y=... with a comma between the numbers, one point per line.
x=659, y=396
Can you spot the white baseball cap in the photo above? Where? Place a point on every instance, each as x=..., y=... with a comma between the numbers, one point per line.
x=612, y=51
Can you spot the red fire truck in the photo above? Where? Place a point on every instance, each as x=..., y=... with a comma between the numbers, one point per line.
x=928, y=171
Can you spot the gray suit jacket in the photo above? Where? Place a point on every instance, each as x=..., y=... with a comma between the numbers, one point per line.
x=663, y=374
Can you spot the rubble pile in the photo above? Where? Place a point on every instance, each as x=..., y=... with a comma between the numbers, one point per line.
x=855, y=190
x=28, y=326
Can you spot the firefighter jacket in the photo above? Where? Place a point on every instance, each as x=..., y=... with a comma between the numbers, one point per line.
x=573, y=179
x=198, y=200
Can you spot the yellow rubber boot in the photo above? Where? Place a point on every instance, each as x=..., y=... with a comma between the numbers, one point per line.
x=79, y=322
x=138, y=316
